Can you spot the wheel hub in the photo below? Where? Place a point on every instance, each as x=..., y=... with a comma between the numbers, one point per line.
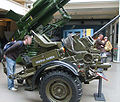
x=59, y=91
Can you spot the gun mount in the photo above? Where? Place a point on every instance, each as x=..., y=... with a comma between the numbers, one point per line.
x=57, y=68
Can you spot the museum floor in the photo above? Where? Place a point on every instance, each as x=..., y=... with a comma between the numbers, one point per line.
x=111, y=89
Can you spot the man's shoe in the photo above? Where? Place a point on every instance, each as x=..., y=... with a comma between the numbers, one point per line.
x=13, y=89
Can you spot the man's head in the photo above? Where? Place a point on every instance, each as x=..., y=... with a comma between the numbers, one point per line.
x=27, y=40
x=106, y=38
x=100, y=36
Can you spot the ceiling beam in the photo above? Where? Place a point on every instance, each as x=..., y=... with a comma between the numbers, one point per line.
x=20, y=1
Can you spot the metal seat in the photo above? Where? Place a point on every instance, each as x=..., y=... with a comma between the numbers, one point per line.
x=43, y=40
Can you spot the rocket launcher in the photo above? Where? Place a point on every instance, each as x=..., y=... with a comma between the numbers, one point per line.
x=40, y=15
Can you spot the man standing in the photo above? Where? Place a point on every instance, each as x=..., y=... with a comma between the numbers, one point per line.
x=100, y=46
x=108, y=47
x=11, y=55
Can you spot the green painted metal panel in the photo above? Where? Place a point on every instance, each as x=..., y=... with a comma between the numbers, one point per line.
x=14, y=16
x=45, y=57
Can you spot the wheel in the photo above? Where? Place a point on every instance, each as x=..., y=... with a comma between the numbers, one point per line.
x=59, y=86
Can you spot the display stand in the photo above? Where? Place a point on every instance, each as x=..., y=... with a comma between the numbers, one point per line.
x=99, y=96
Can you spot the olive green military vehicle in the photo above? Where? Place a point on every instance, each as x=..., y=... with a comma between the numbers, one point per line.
x=56, y=69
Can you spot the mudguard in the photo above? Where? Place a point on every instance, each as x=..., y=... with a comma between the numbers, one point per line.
x=69, y=66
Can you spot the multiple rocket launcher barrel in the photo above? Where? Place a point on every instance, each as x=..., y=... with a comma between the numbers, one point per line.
x=41, y=13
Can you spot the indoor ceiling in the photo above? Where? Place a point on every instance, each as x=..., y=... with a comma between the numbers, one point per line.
x=23, y=1
x=92, y=10
x=87, y=10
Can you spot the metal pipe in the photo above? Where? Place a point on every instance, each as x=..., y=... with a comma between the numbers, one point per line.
x=101, y=29
x=100, y=87
x=34, y=10
x=118, y=53
x=51, y=8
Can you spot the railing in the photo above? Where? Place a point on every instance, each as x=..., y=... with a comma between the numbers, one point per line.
x=106, y=25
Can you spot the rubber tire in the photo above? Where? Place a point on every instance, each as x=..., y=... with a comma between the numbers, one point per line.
x=73, y=81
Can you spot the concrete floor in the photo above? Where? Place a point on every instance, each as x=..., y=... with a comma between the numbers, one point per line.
x=110, y=89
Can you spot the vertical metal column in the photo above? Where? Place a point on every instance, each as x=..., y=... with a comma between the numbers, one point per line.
x=100, y=87
x=99, y=96
x=112, y=40
x=118, y=54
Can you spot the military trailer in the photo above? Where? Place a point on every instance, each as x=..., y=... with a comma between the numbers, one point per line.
x=56, y=69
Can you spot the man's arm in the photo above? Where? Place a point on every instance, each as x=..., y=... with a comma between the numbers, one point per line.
x=100, y=42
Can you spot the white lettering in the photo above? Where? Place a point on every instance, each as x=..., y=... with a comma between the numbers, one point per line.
x=43, y=60
x=49, y=58
x=40, y=61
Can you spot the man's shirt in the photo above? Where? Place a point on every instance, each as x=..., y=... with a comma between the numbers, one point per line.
x=100, y=45
x=14, y=51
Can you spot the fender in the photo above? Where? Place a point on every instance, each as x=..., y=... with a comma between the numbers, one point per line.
x=62, y=64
